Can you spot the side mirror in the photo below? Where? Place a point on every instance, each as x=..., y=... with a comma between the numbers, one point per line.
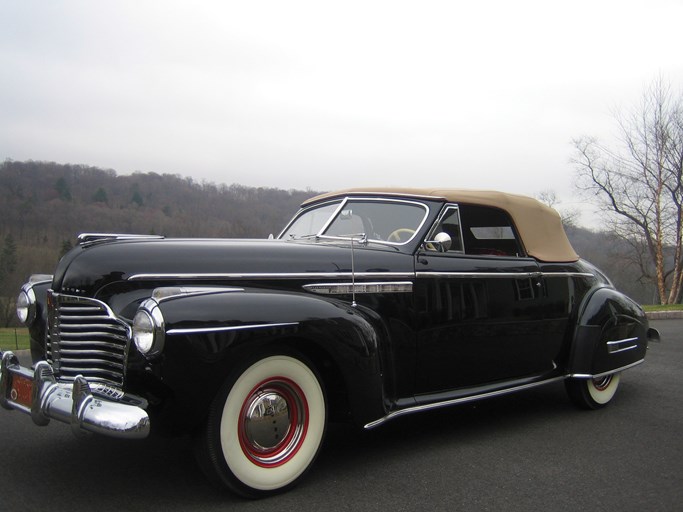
x=442, y=242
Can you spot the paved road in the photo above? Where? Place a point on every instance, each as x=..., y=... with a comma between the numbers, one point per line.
x=531, y=451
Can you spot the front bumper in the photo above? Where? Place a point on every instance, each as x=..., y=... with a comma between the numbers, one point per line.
x=37, y=393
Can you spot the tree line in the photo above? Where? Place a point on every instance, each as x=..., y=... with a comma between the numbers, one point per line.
x=46, y=205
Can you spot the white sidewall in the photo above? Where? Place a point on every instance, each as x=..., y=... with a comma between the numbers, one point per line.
x=605, y=395
x=271, y=478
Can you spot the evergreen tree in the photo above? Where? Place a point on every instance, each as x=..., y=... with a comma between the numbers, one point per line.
x=66, y=247
x=137, y=198
x=8, y=260
x=100, y=196
x=63, y=189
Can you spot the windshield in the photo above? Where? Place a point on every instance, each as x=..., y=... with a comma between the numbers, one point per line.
x=386, y=220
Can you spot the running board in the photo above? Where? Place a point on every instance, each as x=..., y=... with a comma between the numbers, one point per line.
x=460, y=400
x=489, y=394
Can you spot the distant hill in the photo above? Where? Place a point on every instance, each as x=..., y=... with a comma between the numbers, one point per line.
x=615, y=258
x=44, y=206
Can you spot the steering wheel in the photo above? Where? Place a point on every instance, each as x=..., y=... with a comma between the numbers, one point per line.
x=397, y=234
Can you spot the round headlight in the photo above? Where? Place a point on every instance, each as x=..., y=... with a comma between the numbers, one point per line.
x=26, y=306
x=148, y=329
x=143, y=331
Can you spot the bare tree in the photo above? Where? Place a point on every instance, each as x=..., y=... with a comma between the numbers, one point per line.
x=639, y=184
x=569, y=216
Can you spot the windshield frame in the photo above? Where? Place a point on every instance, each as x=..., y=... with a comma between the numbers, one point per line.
x=343, y=202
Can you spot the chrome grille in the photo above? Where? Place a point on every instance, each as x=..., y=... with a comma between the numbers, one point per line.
x=86, y=338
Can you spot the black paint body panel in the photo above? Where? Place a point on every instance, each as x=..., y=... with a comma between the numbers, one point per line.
x=469, y=323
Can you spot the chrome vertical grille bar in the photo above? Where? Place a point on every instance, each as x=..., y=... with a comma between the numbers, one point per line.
x=86, y=338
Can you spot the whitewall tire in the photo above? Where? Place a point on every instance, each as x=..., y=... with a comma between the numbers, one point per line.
x=593, y=393
x=266, y=426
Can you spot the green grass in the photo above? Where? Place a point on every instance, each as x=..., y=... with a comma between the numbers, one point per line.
x=663, y=307
x=14, y=338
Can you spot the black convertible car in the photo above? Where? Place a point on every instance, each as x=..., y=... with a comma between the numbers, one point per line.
x=371, y=304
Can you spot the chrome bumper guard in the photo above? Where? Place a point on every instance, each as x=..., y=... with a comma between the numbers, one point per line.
x=74, y=403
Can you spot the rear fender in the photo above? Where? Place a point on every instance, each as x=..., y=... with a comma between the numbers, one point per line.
x=612, y=334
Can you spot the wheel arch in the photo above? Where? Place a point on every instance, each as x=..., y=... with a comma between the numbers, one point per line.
x=339, y=340
x=611, y=334
x=334, y=384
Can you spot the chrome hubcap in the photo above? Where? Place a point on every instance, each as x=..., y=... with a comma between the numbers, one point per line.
x=273, y=422
x=601, y=383
x=267, y=422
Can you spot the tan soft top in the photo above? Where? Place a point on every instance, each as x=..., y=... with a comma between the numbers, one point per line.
x=539, y=226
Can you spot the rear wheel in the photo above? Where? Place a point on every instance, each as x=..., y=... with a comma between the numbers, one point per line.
x=265, y=427
x=593, y=393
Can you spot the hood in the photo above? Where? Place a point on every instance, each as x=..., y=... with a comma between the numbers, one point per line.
x=89, y=268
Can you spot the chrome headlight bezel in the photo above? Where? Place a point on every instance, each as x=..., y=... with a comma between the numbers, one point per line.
x=27, y=302
x=148, y=329
x=26, y=305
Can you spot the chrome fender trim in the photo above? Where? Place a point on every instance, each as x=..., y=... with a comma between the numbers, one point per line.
x=604, y=374
x=461, y=400
x=491, y=394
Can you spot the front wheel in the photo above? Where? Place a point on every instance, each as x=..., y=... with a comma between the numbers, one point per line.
x=265, y=427
x=593, y=393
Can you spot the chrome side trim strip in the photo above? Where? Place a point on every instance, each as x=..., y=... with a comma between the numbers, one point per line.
x=462, y=400
x=273, y=275
x=348, y=288
x=604, y=374
x=501, y=275
x=171, y=292
x=567, y=274
x=475, y=275
x=614, y=347
x=228, y=328
x=455, y=401
x=365, y=275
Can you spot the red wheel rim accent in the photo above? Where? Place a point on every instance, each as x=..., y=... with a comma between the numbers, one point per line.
x=283, y=391
x=602, y=383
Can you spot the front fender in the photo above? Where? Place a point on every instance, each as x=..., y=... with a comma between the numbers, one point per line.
x=207, y=334
x=36, y=291
x=612, y=334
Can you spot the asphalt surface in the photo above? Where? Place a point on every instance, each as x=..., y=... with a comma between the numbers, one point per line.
x=529, y=451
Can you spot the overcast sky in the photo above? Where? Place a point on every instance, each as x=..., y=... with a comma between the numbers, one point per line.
x=326, y=95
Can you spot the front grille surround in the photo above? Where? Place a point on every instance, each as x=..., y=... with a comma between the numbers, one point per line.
x=86, y=338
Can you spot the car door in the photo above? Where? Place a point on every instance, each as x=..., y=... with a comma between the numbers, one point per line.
x=482, y=309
